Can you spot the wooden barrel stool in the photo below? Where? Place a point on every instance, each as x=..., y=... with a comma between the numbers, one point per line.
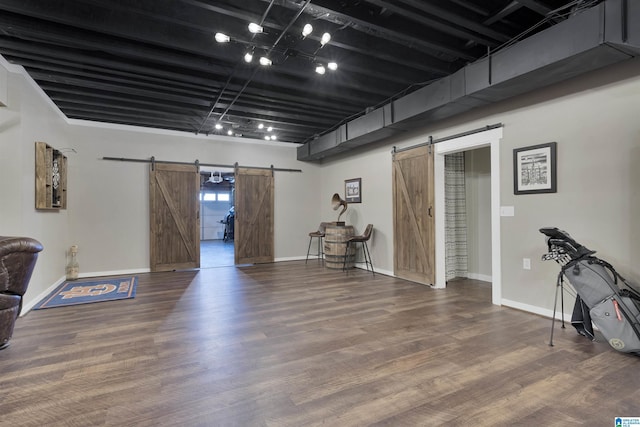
x=335, y=245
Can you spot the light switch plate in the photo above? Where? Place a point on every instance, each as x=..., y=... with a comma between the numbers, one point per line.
x=507, y=211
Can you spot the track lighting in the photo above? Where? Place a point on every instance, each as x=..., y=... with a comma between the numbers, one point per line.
x=320, y=69
x=326, y=37
x=306, y=30
x=255, y=28
x=332, y=66
x=265, y=61
x=222, y=38
x=248, y=57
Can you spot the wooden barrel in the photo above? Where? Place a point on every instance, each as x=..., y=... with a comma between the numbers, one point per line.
x=335, y=244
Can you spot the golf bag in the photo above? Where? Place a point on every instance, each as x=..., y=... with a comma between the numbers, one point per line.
x=604, y=298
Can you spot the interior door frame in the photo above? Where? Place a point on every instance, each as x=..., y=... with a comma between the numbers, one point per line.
x=492, y=139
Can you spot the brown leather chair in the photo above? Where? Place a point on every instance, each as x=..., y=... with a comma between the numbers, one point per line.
x=362, y=238
x=319, y=234
x=18, y=257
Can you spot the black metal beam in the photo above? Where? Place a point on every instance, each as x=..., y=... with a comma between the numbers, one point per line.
x=460, y=23
x=340, y=19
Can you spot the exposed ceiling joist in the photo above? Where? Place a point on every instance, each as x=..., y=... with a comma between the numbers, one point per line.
x=159, y=63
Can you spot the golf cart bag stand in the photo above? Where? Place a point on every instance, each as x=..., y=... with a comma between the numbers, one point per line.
x=604, y=298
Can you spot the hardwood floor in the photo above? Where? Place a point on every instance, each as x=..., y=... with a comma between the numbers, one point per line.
x=290, y=344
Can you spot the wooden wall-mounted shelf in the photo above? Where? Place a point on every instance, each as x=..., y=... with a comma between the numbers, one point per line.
x=51, y=178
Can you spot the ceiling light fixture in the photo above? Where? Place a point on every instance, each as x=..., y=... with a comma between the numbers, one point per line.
x=320, y=69
x=218, y=126
x=255, y=28
x=260, y=126
x=248, y=57
x=229, y=132
x=326, y=37
x=306, y=30
x=267, y=137
x=332, y=66
x=269, y=129
x=222, y=38
x=265, y=61
x=273, y=137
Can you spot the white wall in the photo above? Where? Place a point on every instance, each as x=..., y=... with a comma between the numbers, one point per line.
x=478, y=201
x=25, y=120
x=107, y=214
x=108, y=200
x=593, y=118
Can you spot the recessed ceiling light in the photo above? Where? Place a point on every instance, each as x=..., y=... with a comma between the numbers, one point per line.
x=255, y=28
x=222, y=38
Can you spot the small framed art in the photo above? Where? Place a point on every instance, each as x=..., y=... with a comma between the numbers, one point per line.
x=353, y=190
x=534, y=169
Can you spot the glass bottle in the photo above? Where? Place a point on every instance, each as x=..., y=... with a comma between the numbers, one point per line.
x=73, y=268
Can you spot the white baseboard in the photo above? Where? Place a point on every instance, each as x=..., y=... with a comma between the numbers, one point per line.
x=478, y=276
x=533, y=309
x=28, y=306
x=113, y=273
x=294, y=258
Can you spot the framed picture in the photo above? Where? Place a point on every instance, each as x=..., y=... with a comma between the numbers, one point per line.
x=534, y=169
x=353, y=190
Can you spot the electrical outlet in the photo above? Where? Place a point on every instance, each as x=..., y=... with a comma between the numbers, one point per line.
x=526, y=263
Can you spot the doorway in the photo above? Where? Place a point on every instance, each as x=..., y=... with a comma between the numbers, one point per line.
x=490, y=138
x=217, y=210
x=468, y=214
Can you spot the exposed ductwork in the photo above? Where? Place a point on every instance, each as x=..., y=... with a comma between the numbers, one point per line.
x=597, y=37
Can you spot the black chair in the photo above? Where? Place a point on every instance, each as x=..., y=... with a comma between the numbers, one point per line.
x=363, y=238
x=318, y=234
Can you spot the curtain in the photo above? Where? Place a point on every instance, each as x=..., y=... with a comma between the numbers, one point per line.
x=455, y=216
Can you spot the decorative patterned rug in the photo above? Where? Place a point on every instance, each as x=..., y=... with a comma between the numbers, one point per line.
x=94, y=290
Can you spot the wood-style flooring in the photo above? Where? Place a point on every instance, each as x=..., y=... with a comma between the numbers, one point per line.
x=294, y=344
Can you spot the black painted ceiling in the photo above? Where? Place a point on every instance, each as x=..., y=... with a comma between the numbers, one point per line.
x=155, y=63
